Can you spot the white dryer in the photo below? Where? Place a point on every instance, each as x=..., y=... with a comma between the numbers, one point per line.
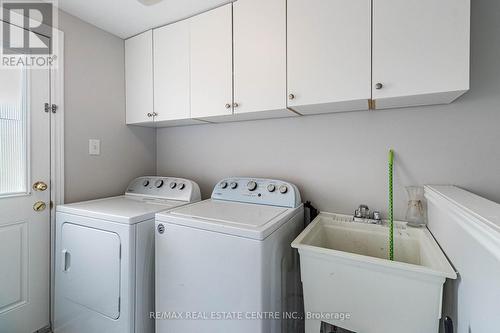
x=104, y=272
x=225, y=264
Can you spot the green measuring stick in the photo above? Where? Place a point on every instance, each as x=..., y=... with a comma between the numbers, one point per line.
x=391, y=208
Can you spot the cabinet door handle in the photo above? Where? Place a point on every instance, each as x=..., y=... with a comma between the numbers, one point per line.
x=379, y=86
x=228, y=106
x=291, y=96
x=150, y=114
x=235, y=105
x=155, y=114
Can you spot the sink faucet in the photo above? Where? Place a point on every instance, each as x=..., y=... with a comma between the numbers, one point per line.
x=362, y=214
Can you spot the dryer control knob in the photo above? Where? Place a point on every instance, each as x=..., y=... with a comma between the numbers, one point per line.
x=271, y=187
x=251, y=185
x=233, y=185
x=283, y=189
x=145, y=183
x=182, y=186
x=223, y=184
x=159, y=183
x=173, y=185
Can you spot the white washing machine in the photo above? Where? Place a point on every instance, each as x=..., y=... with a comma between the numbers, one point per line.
x=104, y=272
x=225, y=264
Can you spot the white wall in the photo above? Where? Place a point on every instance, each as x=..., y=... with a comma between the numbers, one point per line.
x=95, y=108
x=340, y=160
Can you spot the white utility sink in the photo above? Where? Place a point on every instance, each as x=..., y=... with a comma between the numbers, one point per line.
x=349, y=282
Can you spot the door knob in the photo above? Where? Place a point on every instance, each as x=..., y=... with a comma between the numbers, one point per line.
x=39, y=206
x=40, y=186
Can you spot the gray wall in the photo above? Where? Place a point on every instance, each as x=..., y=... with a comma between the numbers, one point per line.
x=340, y=160
x=95, y=108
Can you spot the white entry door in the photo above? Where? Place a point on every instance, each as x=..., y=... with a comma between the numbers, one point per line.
x=24, y=200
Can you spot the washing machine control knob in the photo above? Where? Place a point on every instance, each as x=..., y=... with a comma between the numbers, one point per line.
x=283, y=189
x=173, y=185
x=252, y=185
x=145, y=183
x=223, y=184
x=182, y=186
x=271, y=187
x=233, y=185
x=159, y=183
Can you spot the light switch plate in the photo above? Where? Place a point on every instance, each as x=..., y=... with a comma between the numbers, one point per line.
x=94, y=147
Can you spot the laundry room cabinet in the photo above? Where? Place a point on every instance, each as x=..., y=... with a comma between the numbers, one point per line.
x=172, y=81
x=238, y=62
x=344, y=55
x=139, y=79
x=211, y=63
x=259, y=59
x=329, y=55
x=420, y=51
x=255, y=59
x=226, y=64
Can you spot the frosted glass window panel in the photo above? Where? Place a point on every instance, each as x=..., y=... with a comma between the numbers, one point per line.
x=14, y=127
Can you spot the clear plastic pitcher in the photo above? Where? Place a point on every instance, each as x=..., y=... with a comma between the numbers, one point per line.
x=415, y=214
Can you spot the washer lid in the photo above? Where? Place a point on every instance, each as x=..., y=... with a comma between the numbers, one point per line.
x=122, y=209
x=235, y=218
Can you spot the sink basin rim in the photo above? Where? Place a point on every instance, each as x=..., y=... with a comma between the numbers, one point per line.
x=298, y=243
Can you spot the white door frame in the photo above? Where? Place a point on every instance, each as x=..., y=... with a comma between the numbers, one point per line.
x=57, y=126
x=56, y=154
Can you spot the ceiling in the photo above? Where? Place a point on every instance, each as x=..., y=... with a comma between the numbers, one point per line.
x=126, y=18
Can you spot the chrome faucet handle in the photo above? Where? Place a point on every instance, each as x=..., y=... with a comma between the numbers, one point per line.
x=362, y=214
x=363, y=211
x=377, y=216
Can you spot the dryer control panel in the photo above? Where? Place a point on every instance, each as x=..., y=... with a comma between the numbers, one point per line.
x=270, y=192
x=165, y=188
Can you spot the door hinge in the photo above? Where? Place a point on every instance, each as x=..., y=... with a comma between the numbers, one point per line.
x=50, y=108
x=372, y=104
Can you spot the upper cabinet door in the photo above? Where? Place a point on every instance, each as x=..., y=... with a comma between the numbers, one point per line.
x=211, y=63
x=420, y=51
x=171, y=77
x=260, y=57
x=329, y=55
x=139, y=78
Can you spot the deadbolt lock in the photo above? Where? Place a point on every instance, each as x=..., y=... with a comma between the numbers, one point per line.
x=39, y=186
x=39, y=206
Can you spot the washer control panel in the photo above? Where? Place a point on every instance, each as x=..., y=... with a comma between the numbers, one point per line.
x=164, y=188
x=270, y=192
